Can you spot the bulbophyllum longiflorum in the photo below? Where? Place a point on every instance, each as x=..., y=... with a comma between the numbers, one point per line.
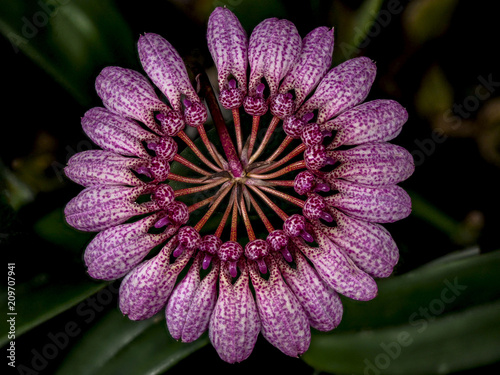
x=273, y=214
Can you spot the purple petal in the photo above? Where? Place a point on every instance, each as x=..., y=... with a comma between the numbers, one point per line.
x=375, y=121
x=274, y=46
x=342, y=88
x=336, y=269
x=166, y=69
x=284, y=322
x=145, y=290
x=320, y=302
x=100, y=207
x=372, y=164
x=129, y=94
x=369, y=245
x=312, y=64
x=228, y=45
x=96, y=167
x=376, y=204
x=115, y=133
x=115, y=251
x=192, y=302
x=235, y=324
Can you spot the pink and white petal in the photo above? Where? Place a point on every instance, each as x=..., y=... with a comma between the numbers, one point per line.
x=228, y=45
x=375, y=121
x=191, y=304
x=115, y=133
x=166, y=69
x=234, y=324
x=115, y=251
x=97, y=167
x=372, y=164
x=342, y=88
x=273, y=49
x=369, y=245
x=336, y=269
x=312, y=64
x=128, y=93
x=284, y=322
x=146, y=289
x=385, y=204
x=320, y=302
x=103, y=206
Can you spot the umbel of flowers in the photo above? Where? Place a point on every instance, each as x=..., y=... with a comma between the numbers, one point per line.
x=287, y=220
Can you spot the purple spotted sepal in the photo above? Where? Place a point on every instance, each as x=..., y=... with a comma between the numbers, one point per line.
x=146, y=289
x=228, y=45
x=235, y=323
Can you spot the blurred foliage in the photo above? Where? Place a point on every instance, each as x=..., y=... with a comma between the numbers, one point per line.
x=436, y=57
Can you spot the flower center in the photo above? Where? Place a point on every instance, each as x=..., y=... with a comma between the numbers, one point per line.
x=243, y=185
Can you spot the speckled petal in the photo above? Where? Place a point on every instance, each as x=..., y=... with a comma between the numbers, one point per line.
x=166, y=69
x=97, y=167
x=115, y=133
x=146, y=289
x=192, y=302
x=103, y=206
x=235, y=324
x=313, y=63
x=129, y=93
x=373, y=164
x=284, y=322
x=369, y=245
x=274, y=46
x=384, y=204
x=115, y=251
x=336, y=269
x=228, y=45
x=342, y=88
x=320, y=302
x=375, y=121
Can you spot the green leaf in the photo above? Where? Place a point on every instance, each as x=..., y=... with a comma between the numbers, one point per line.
x=71, y=40
x=118, y=345
x=43, y=298
x=53, y=228
x=436, y=319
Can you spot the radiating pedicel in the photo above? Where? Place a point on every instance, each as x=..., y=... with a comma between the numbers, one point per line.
x=253, y=226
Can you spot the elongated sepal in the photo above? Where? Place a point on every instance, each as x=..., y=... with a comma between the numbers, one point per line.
x=312, y=64
x=384, y=204
x=370, y=246
x=115, y=133
x=166, y=69
x=342, y=88
x=235, y=323
x=321, y=303
x=336, y=269
x=115, y=251
x=372, y=164
x=274, y=46
x=103, y=206
x=376, y=121
x=228, y=45
x=97, y=167
x=191, y=304
x=129, y=93
x=146, y=289
x=284, y=322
